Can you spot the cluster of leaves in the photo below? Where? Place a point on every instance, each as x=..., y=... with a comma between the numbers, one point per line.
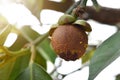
x=16, y=61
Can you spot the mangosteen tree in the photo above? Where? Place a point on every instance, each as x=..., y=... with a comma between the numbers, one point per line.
x=68, y=39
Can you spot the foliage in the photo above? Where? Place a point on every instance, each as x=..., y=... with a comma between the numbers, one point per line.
x=27, y=58
x=17, y=60
x=34, y=72
x=107, y=52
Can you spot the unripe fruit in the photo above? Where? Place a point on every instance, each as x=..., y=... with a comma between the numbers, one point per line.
x=69, y=41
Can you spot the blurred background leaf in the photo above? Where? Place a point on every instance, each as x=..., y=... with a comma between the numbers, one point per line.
x=40, y=60
x=29, y=33
x=21, y=63
x=9, y=66
x=36, y=6
x=4, y=33
x=117, y=77
x=46, y=51
x=3, y=22
x=19, y=43
x=88, y=55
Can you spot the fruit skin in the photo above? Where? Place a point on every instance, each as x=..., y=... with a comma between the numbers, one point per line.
x=69, y=41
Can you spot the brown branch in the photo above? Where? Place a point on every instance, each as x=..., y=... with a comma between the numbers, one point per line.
x=38, y=5
x=58, y=6
x=105, y=15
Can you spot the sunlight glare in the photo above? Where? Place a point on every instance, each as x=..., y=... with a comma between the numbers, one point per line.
x=56, y=0
x=10, y=39
x=18, y=14
x=50, y=16
x=51, y=67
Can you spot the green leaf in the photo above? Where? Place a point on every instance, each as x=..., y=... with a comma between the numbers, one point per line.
x=20, y=65
x=5, y=71
x=9, y=66
x=19, y=43
x=32, y=35
x=117, y=77
x=4, y=34
x=34, y=72
x=21, y=40
x=3, y=22
x=88, y=55
x=46, y=51
x=35, y=6
x=44, y=47
x=40, y=60
x=106, y=53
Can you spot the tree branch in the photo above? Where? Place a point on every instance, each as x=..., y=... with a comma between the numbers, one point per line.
x=105, y=15
x=58, y=6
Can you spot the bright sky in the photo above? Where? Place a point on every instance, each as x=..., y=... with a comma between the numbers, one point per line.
x=19, y=15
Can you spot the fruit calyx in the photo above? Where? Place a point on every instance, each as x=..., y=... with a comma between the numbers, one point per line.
x=83, y=24
x=66, y=19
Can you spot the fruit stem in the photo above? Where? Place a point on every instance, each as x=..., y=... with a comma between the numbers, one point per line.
x=72, y=9
x=95, y=3
x=40, y=39
x=33, y=43
x=69, y=11
x=25, y=35
x=33, y=54
x=83, y=3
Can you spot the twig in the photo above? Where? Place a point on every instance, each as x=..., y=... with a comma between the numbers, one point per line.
x=40, y=39
x=25, y=36
x=83, y=3
x=86, y=64
x=105, y=15
x=95, y=3
x=69, y=11
x=33, y=54
x=60, y=63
